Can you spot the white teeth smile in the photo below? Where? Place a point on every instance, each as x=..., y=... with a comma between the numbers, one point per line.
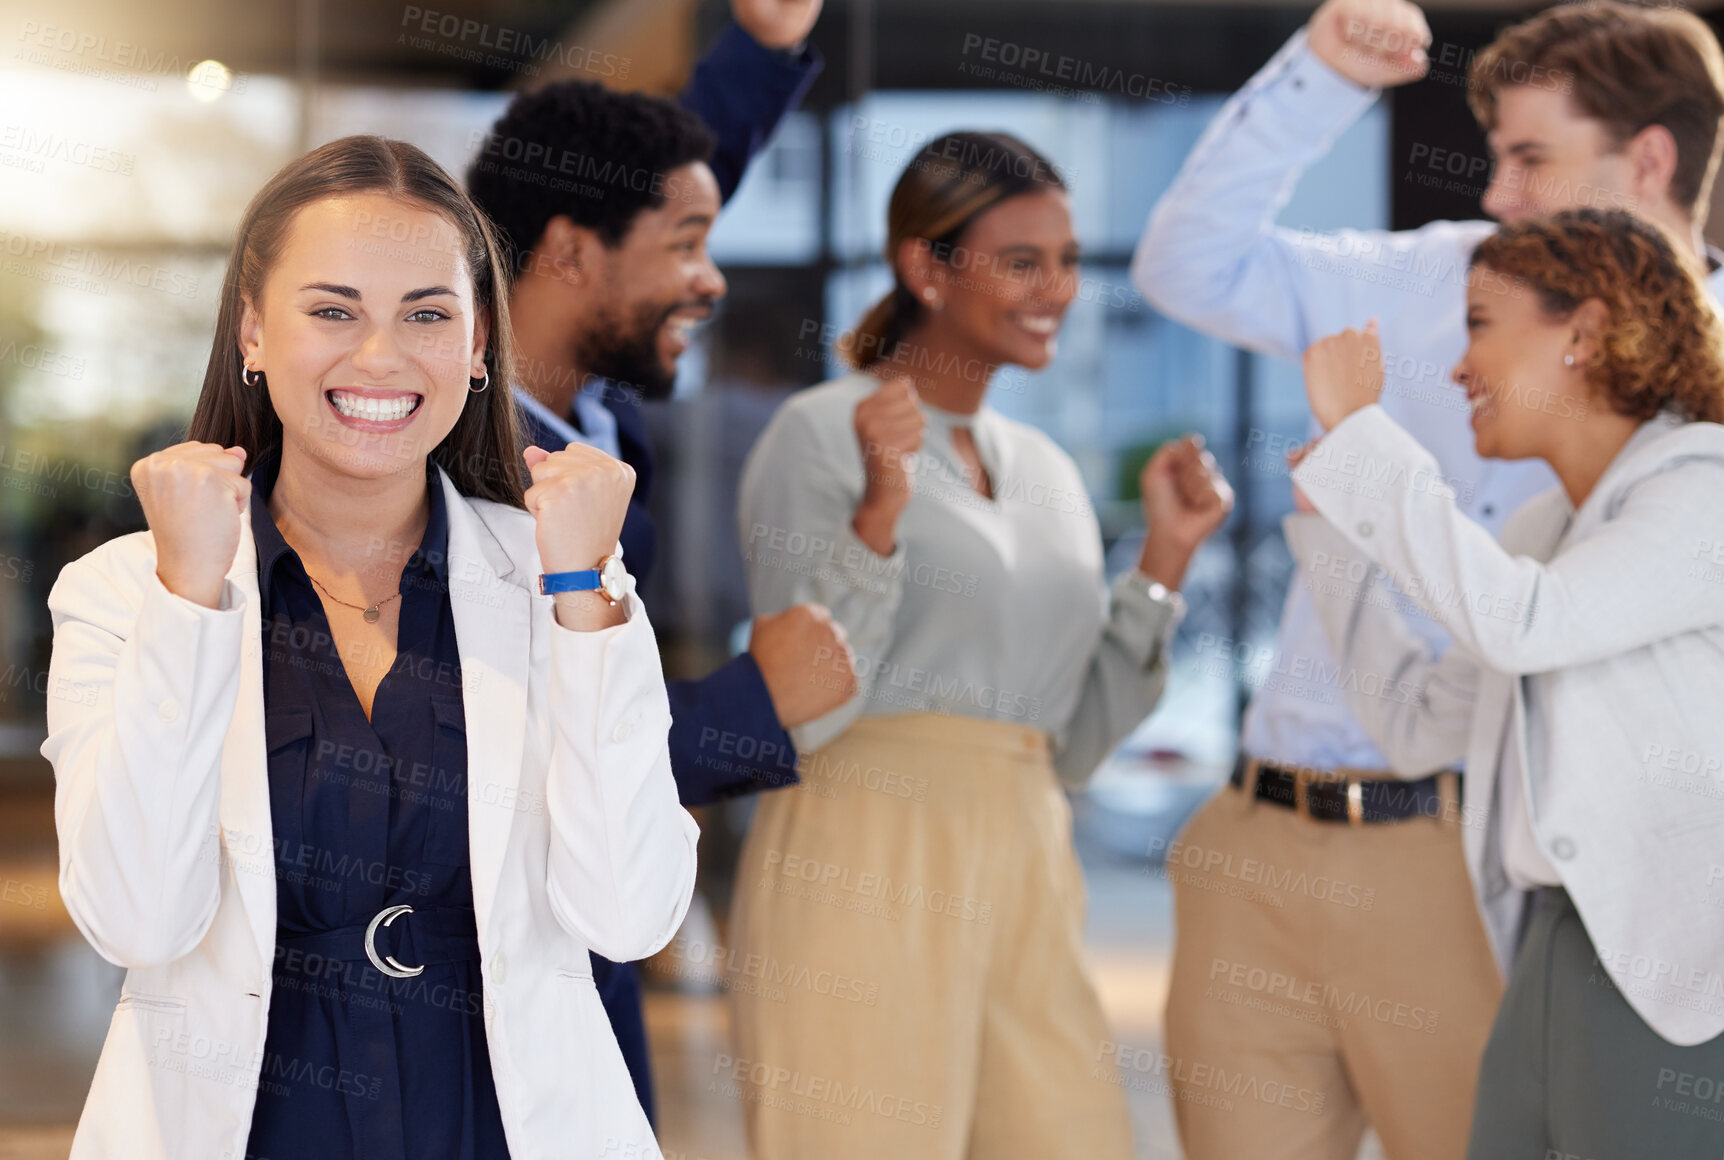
x=372, y=409
x=1042, y=324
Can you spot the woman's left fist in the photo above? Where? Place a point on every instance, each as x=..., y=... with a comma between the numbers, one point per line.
x=1343, y=373
x=579, y=499
x=1185, y=496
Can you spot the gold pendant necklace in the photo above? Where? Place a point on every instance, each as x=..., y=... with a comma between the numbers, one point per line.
x=372, y=613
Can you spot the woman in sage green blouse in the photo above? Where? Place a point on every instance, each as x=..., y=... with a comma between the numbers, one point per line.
x=915, y=905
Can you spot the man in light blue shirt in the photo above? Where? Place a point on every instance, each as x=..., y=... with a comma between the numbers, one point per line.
x=1328, y=942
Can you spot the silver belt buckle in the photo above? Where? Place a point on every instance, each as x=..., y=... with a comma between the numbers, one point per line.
x=387, y=963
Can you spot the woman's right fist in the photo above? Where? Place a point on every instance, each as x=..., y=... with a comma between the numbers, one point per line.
x=194, y=497
x=889, y=426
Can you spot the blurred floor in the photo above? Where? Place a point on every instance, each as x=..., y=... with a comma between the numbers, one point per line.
x=56, y=996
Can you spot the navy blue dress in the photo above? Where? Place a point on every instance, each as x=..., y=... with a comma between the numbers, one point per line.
x=369, y=814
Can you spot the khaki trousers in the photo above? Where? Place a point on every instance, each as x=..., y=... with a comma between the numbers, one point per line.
x=907, y=977
x=1324, y=976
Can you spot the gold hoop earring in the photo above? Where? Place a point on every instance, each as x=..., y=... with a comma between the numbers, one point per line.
x=480, y=390
x=246, y=376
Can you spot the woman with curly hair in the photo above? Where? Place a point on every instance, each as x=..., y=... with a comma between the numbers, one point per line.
x=1584, y=683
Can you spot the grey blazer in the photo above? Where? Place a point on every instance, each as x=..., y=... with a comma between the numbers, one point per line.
x=1593, y=640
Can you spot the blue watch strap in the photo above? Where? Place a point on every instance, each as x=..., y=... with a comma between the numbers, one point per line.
x=583, y=581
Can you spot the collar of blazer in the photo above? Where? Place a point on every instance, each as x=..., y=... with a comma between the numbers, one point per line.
x=493, y=621
x=1661, y=443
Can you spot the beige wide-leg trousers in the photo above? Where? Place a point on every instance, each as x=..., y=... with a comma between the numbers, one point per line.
x=907, y=977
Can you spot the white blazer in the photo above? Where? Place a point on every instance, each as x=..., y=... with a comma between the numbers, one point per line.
x=1595, y=636
x=156, y=733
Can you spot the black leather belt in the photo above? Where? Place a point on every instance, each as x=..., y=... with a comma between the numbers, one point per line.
x=1328, y=795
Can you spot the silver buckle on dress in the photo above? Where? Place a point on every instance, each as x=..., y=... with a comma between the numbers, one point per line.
x=387, y=963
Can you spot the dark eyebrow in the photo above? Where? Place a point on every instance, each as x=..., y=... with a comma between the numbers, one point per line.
x=350, y=292
x=694, y=219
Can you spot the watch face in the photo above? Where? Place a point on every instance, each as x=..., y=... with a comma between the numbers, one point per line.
x=614, y=578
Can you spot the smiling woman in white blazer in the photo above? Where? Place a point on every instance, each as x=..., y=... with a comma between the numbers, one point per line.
x=574, y=833
x=1585, y=685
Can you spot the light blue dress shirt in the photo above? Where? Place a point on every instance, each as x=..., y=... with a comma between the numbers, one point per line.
x=598, y=425
x=1213, y=258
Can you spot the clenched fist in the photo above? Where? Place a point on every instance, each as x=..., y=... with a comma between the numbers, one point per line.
x=782, y=24
x=889, y=426
x=805, y=659
x=1373, y=43
x=1343, y=373
x=1185, y=498
x=194, y=498
x=578, y=500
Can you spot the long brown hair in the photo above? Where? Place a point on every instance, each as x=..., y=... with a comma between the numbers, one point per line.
x=1663, y=347
x=479, y=453
x=951, y=182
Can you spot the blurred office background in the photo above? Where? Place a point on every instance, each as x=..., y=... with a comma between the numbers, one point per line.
x=132, y=134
